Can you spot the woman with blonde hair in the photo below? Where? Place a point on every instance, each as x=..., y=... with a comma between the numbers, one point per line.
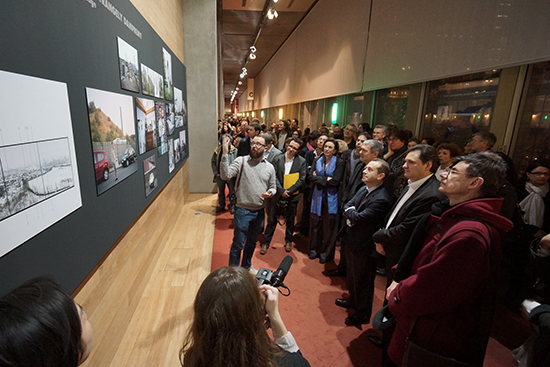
x=228, y=326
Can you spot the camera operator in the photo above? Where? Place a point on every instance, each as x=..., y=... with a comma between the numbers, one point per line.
x=228, y=326
x=290, y=168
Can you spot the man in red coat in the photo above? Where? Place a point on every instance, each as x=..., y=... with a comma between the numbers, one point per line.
x=444, y=292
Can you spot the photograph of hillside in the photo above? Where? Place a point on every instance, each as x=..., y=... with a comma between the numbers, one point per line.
x=128, y=66
x=112, y=126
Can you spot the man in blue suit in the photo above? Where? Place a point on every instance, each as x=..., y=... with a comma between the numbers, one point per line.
x=364, y=214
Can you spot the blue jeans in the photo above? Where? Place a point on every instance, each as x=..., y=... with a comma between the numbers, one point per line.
x=247, y=227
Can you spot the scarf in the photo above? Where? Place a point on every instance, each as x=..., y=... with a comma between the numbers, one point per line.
x=331, y=192
x=533, y=205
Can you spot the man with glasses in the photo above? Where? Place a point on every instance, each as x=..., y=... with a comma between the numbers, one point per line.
x=255, y=182
x=290, y=170
x=447, y=296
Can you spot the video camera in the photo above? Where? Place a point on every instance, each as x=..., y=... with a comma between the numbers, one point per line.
x=275, y=278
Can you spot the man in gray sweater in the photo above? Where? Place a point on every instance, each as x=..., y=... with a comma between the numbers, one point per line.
x=255, y=183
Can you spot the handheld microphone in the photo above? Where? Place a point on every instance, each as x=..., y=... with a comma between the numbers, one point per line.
x=279, y=275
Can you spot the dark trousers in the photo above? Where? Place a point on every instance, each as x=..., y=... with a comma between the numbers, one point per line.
x=221, y=191
x=361, y=272
x=304, y=219
x=289, y=215
x=322, y=234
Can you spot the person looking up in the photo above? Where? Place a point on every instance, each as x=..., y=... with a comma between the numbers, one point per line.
x=283, y=132
x=350, y=135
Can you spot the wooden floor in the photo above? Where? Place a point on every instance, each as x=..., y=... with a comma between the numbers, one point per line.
x=139, y=300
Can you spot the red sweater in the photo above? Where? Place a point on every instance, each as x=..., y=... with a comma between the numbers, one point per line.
x=446, y=282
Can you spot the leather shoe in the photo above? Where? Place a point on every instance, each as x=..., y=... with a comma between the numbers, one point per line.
x=336, y=273
x=356, y=320
x=376, y=341
x=263, y=249
x=220, y=209
x=312, y=255
x=381, y=271
x=288, y=246
x=342, y=302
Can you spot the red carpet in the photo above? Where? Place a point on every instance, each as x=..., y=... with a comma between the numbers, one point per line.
x=310, y=313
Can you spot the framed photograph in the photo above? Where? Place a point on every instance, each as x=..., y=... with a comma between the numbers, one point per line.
x=183, y=144
x=170, y=123
x=151, y=82
x=171, y=163
x=39, y=180
x=167, y=64
x=177, y=150
x=147, y=124
x=128, y=66
x=162, y=135
x=150, y=174
x=178, y=107
x=112, y=125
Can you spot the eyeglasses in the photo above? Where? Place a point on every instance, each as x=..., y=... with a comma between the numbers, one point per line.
x=454, y=171
x=258, y=144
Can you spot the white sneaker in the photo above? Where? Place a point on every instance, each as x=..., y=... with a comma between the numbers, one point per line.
x=252, y=270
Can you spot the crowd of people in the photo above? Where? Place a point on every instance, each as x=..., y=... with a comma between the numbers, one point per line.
x=437, y=220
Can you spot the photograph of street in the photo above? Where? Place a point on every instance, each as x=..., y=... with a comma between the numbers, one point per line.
x=112, y=126
x=177, y=150
x=183, y=146
x=178, y=107
x=170, y=123
x=128, y=66
x=152, y=82
x=162, y=142
x=150, y=174
x=147, y=124
x=167, y=65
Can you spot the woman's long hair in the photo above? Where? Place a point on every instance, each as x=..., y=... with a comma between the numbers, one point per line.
x=228, y=325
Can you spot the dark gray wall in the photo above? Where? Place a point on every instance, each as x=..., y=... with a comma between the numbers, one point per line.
x=73, y=42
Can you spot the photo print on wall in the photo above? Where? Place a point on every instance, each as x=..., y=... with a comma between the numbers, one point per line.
x=177, y=150
x=128, y=66
x=150, y=174
x=162, y=142
x=39, y=182
x=170, y=123
x=178, y=107
x=147, y=124
x=171, y=163
x=152, y=82
x=167, y=63
x=112, y=126
x=183, y=145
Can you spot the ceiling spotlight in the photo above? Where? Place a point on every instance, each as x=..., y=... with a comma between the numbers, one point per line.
x=275, y=1
x=272, y=13
x=252, y=56
x=240, y=82
x=253, y=49
x=237, y=88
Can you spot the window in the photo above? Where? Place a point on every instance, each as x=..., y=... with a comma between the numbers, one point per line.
x=391, y=107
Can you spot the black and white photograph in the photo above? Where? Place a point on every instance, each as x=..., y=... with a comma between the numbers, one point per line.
x=183, y=145
x=39, y=181
x=150, y=174
x=151, y=82
x=177, y=150
x=128, y=66
x=170, y=123
x=162, y=136
x=178, y=107
x=171, y=163
x=146, y=124
x=112, y=126
x=167, y=65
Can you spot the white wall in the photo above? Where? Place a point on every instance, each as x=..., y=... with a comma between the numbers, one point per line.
x=409, y=42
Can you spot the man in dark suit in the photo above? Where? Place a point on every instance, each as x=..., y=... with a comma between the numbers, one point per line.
x=364, y=214
x=253, y=130
x=286, y=164
x=416, y=199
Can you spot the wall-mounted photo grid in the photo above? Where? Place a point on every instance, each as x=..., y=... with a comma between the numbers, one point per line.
x=39, y=182
x=112, y=127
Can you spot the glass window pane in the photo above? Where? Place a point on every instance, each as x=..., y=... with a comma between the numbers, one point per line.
x=391, y=106
x=458, y=107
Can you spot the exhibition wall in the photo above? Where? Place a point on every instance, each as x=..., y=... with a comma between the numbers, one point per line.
x=93, y=124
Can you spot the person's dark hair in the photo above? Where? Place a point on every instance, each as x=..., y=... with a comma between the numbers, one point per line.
x=487, y=165
x=401, y=135
x=324, y=131
x=268, y=137
x=333, y=141
x=383, y=167
x=454, y=149
x=427, y=154
x=287, y=125
x=256, y=126
x=307, y=131
x=487, y=137
x=537, y=163
x=429, y=140
x=313, y=136
x=365, y=134
x=416, y=140
x=39, y=326
x=297, y=140
x=255, y=120
x=375, y=147
x=228, y=324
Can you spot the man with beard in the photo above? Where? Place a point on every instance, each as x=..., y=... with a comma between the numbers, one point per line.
x=254, y=184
